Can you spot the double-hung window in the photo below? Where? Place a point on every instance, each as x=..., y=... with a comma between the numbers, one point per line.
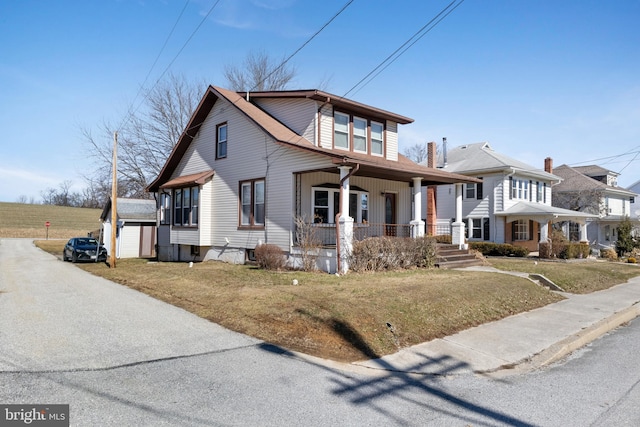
x=377, y=144
x=252, y=203
x=341, y=130
x=185, y=208
x=165, y=208
x=359, y=135
x=221, y=141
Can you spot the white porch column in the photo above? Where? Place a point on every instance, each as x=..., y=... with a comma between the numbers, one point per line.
x=457, y=228
x=345, y=222
x=417, y=224
x=544, y=231
x=583, y=232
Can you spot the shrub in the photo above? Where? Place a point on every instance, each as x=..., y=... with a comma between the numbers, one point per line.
x=392, y=253
x=498, y=249
x=608, y=254
x=558, y=243
x=443, y=238
x=631, y=260
x=575, y=250
x=544, y=250
x=308, y=242
x=269, y=257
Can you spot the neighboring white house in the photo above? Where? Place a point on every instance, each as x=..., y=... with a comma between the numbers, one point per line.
x=511, y=205
x=248, y=165
x=595, y=190
x=136, y=228
x=635, y=207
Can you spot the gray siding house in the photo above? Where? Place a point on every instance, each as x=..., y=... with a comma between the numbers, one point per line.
x=594, y=189
x=249, y=164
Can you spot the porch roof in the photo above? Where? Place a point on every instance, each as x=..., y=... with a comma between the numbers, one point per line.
x=538, y=211
x=195, y=178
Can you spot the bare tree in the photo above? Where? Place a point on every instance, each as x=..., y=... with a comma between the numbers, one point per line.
x=61, y=196
x=145, y=139
x=417, y=152
x=259, y=72
x=586, y=200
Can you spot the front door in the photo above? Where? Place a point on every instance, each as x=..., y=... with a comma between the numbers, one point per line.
x=390, y=227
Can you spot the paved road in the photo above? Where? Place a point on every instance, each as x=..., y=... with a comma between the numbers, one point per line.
x=120, y=358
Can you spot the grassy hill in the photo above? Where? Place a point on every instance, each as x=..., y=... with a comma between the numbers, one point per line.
x=24, y=220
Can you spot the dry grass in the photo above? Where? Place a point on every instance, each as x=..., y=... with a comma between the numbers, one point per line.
x=341, y=318
x=575, y=276
x=25, y=220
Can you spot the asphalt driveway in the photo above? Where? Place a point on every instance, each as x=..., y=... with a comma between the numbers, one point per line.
x=54, y=316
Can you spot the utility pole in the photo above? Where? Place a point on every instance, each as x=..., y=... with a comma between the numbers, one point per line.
x=114, y=198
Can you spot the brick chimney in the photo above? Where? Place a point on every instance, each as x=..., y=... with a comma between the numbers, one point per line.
x=548, y=165
x=431, y=154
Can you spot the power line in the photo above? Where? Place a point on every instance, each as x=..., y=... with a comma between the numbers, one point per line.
x=155, y=62
x=407, y=44
x=173, y=60
x=303, y=45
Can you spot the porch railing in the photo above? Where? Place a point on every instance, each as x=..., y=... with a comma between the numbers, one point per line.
x=326, y=233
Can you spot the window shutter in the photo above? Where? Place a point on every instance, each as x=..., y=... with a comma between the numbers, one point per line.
x=479, y=191
x=530, y=190
x=487, y=230
x=513, y=231
x=530, y=229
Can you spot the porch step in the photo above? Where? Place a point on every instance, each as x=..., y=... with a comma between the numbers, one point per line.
x=449, y=256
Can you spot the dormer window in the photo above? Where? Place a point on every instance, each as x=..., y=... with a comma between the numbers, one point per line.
x=341, y=131
x=367, y=135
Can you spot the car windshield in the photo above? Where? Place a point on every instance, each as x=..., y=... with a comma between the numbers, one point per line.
x=86, y=242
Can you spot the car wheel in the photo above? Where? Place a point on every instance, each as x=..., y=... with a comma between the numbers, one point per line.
x=74, y=257
x=64, y=256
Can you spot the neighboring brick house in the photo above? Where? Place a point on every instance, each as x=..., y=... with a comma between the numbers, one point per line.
x=595, y=190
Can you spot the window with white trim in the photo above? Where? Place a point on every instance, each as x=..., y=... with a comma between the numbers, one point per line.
x=221, y=141
x=521, y=230
x=326, y=204
x=473, y=191
x=519, y=189
x=165, y=208
x=252, y=203
x=185, y=208
x=478, y=228
x=341, y=130
x=359, y=135
x=377, y=141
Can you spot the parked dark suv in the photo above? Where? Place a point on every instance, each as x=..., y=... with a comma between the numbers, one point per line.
x=84, y=249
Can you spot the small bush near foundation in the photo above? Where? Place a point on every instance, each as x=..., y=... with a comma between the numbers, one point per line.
x=498, y=249
x=392, y=253
x=608, y=254
x=269, y=257
x=544, y=250
x=631, y=260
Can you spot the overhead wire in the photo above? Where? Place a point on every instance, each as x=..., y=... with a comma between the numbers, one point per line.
x=406, y=45
x=204, y=18
x=164, y=45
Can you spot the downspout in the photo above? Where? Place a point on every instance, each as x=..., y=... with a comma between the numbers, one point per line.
x=339, y=214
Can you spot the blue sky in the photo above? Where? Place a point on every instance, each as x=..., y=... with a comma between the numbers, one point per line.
x=534, y=78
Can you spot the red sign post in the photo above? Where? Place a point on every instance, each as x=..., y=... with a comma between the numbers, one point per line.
x=47, y=224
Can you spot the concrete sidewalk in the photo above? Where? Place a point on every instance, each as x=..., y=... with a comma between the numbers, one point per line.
x=526, y=340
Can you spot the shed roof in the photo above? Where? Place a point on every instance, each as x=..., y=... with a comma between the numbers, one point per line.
x=141, y=210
